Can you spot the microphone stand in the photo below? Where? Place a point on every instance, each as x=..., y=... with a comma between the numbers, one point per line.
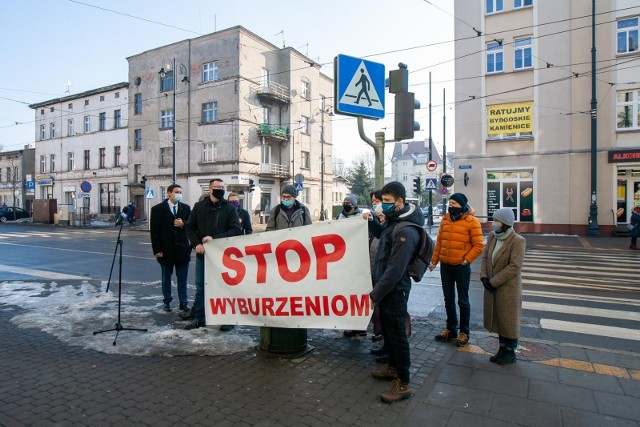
x=118, y=326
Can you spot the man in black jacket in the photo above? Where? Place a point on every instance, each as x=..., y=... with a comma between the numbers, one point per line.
x=211, y=218
x=245, y=218
x=170, y=244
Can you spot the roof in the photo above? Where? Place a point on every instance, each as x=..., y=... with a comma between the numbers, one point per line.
x=413, y=149
x=121, y=85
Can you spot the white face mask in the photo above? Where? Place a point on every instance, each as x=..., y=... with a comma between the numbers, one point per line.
x=377, y=208
x=177, y=197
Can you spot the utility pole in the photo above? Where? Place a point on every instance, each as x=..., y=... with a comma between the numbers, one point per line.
x=430, y=149
x=444, y=140
x=322, y=215
x=594, y=229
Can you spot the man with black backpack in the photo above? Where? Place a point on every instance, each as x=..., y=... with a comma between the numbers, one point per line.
x=392, y=283
x=289, y=212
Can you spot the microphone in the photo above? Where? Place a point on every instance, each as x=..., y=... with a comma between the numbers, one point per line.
x=120, y=217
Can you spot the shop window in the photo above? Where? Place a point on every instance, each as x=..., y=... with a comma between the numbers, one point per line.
x=511, y=189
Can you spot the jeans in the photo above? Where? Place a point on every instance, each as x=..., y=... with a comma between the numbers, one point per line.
x=393, y=309
x=456, y=277
x=198, y=300
x=181, y=275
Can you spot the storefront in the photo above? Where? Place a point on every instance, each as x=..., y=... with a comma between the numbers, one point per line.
x=511, y=189
x=627, y=163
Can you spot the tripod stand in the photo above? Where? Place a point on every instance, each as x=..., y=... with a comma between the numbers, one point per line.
x=118, y=326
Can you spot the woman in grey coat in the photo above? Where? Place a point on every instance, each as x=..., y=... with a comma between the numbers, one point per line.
x=501, y=275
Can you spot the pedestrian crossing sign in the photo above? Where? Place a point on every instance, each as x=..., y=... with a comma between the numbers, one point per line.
x=431, y=184
x=149, y=194
x=359, y=87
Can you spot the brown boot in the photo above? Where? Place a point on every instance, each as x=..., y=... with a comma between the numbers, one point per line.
x=398, y=391
x=388, y=373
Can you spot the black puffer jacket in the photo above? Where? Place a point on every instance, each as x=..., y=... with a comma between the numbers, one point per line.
x=217, y=220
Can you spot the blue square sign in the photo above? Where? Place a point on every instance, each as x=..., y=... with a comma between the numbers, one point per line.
x=359, y=87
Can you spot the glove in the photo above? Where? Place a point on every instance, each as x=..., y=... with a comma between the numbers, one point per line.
x=487, y=284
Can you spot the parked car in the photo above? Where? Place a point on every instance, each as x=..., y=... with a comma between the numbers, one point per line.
x=437, y=210
x=10, y=213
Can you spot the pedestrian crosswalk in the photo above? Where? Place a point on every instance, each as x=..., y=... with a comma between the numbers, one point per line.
x=591, y=293
x=58, y=234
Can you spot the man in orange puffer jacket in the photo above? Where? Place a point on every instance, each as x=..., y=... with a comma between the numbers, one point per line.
x=459, y=243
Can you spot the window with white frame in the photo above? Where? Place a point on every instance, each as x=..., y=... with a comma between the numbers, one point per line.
x=265, y=154
x=495, y=57
x=137, y=139
x=70, y=128
x=303, y=195
x=87, y=159
x=87, y=124
x=137, y=103
x=52, y=130
x=628, y=110
x=405, y=177
x=494, y=6
x=43, y=163
x=627, y=35
x=266, y=115
x=517, y=4
x=166, y=157
x=102, y=121
x=210, y=71
x=522, y=52
x=306, y=89
x=305, y=161
x=116, y=156
x=43, y=133
x=71, y=161
x=209, y=112
x=52, y=162
x=304, y=124
x=166, y=81
x=102, y=158
x=265, y=78
x=117, y=119
x=166, y=119
x=209, y=152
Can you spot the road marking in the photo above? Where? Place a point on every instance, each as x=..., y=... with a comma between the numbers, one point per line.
x=567, y=285
x=582, y=311
x=526, y=274
x=72, y=250
x=41, y=273
x=584, y=242
x=578, y=297
x=590, y=329
x=590, y=271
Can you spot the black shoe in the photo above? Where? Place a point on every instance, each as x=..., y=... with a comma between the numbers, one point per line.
x=382, y=359
x=194, y=325
x=379, y=351
x=167, y=307
x=351, y=334
x=507, y=358
x=378, y=337
x=187, y=315
x=184, y=306
x=226, y=328
x=495, y=357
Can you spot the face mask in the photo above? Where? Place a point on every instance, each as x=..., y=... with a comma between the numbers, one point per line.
x=217, y=193
x=388, y=208
x=177, y=198
x=287, y=203
x=455, y=211
x=236, y=203
x=377, y=208
x=496, y=226
x=347, y=207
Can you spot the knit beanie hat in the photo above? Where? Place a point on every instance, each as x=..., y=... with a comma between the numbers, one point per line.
x=460, y=198
x=290, y=189
x=351, y=199
x=505, y=216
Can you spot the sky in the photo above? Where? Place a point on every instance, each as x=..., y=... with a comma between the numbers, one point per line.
x=47, y=43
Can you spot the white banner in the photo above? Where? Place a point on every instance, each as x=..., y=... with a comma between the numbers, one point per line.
x=316, y=276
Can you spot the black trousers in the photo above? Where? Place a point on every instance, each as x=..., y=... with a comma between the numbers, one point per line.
x=393, y=309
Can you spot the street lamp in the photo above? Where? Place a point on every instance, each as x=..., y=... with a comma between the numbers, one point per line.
x=322, y=214
x=163, y=73
x=293, y=154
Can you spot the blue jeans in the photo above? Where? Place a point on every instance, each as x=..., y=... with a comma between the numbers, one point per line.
x=456, y=277
x=198, y=301
x=393, y=309
x=181, y=275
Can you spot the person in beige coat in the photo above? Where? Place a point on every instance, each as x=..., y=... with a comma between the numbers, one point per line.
x=501, y=275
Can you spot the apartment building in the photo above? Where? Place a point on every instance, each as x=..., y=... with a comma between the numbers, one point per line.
x=235, y=107
x=81, y=151
x=17, y=169
x=523, y=110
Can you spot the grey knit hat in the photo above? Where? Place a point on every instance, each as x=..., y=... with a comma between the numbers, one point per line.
x=351, y=199
x=290, y=189
x=505, y=216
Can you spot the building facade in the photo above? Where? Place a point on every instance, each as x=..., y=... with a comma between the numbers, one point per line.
x=523, y=110
x=81, y=151
x=16, y=177
x=236, y=107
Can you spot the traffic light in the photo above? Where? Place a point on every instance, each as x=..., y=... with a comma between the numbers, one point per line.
x=405, y=104
x=417, y=185
x=251, y=186
x=143, y=182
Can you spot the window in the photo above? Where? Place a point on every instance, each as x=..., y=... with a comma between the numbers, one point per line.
x=405, y=177
x=209, y=152
x=165, y=157
x=102, y=121
x=86, y=159
x=494, y=6
x=166, y=81
x=116, y=156
x=166, y=119
x=101, y=98
x=116, y=95
x=209, y=112
x=16, y=173
x=52, y=130
x=110, y=198
x=210, y=71
x=70, y=106
x=86, y=102
x=51, y=109
x=117, y=119
x=511, y=189
x=136, y=172
x=523, y=53
x=70, y=128
x=43, y=133
x=8, y=174
x=322, y=102
x=52, y=162
x=102, y=158
x=305, y=160
x=304, y=124
x=265, y=78
x=495, y=62
x=87, y=124
x=137, y=139
x=266, y=115
x=522, y=3
x=306, y=90
x=628, y=35
x=303, y=196
x=43, y=164
x=265, y=154
x=42, y=112
x=71, y=162
x=137, y=103
x=628, y=110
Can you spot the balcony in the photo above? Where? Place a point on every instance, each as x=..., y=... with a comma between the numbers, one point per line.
x=280, y=133
x=273, y=169
x=274, y=92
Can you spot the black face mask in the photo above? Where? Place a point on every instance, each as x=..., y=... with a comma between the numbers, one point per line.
x=347, y=207
x=456, y=213
x=217, y=193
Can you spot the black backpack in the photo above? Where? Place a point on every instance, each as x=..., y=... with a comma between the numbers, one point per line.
x=421, y=259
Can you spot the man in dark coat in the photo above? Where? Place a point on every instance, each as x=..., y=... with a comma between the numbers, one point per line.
x=170, y=244
x=211, y=218
x=243, y=215
x=289, y=212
